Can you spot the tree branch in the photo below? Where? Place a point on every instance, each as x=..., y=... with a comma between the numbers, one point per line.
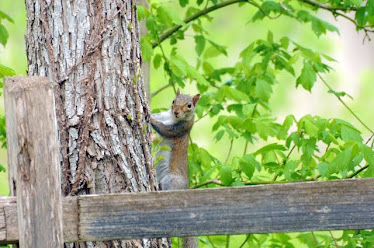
x=358, y=171
x=193, y=17
x=345, y=105
x=213, y=181
x=161, y=89
x=326, y=6
x=245, y=241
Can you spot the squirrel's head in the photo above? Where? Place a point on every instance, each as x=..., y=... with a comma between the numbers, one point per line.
x=183, y=106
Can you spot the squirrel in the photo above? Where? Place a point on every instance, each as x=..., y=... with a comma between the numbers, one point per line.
x=174, y=126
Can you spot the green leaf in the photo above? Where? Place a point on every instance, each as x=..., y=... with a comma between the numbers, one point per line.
x=5, y=16
x=263, y=89
x=287, y=123
x=142, y=12
x=147, y=50
x=322, y=168
x=157, y=60
x=6, y=71
x=3, y=35
x=341, y=161
x=339, y=94
x=193, y=73
x=248, y=109
x=309, y=125
x=226, y=175
x=235, y=94
x=370, y=7
x=219, y=135
x=151, y=24
x=361, y=16
x=350, y=134
x=319, y=26
x=2, y=168
x=289, y=169
x=270, y=37
x=220, y=48
x=308, y=147
x=200, y=44
x=167, y=16
x=368, y=155
x=307, y=77
x=230, y=132
x=183, y=3
x=178, y=65
x=208, y=68
x=248, y=164
x=311, y=128
x=221, y=120
x=269, y=148
x=285, y=42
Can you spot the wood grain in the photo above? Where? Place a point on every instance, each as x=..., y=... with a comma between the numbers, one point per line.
x=290, y=207
x=8, y=220
x=34, y=160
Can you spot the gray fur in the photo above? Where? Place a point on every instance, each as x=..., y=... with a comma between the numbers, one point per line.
x=171, y=124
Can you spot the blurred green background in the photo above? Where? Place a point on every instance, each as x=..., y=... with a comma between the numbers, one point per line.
x=353, y=72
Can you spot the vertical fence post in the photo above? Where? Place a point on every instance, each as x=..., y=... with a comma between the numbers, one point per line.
x=33, y=157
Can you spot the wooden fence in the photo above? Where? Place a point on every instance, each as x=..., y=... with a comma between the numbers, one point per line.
x=40, y=217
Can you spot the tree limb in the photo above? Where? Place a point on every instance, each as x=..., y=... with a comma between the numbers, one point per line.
x=193, y=17
x=326, y=6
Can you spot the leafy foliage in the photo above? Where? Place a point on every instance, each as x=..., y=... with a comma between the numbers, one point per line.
x=4, y=72
x=236, y=98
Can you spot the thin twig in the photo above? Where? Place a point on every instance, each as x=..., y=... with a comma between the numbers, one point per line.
x=274, y=182
x=228, y=154
x=161, y=89
x=358, y=171
x=201, y=117
x=245, y=241
x=332, y=236
x=345, y=105
x=326, y=6
x=212, y=181
x=227, y=240
x=245, y=148
x=367, y=142
x=354, y=22
x=315, y=238
x=193, y=17
x=211, y=242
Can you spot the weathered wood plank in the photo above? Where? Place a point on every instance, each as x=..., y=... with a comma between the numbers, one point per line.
x=291, y=207
x=2, y=224
x=32, y=126
x=10, y=227
x=71, y=218
x=8, y=220
x=346, y=204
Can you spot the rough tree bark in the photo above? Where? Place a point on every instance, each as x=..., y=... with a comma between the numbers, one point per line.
x=90, y=52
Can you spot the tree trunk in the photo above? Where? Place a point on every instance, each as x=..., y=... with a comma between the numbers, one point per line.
x=90, y=52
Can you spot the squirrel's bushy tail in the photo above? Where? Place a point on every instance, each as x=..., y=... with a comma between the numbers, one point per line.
x=190, y=242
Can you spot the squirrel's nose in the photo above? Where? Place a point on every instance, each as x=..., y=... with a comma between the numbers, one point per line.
x=176, y=113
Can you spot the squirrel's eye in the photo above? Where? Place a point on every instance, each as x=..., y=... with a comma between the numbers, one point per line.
x=189, y=105
x=173, y=101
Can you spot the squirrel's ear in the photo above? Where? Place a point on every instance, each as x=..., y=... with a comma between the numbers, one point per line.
x=178, y=92
x=195, y=99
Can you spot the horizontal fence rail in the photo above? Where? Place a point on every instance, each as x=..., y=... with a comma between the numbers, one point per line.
x=290, y=207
